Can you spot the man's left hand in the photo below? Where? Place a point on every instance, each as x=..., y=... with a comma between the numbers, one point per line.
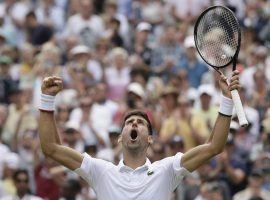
x=233, y=84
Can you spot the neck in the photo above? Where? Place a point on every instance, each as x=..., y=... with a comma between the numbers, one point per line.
x=205, y=107
x=134, y=160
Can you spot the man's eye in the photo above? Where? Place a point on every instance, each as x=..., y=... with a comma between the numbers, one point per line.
x=140, y=122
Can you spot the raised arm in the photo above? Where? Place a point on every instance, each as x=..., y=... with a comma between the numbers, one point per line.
x=195, y=157
x=49, y=139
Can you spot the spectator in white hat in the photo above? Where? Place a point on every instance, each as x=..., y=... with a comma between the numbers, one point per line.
x=117, y=74
x=11, y=164
x=206, y=110
x=195, y=68
x=141, y=45
x=83, y=60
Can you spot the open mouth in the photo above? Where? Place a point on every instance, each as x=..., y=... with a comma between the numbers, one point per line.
x=133, y=135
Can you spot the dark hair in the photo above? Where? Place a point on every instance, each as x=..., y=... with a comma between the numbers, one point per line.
x=18, y=172
x=31, y=14
x=141, y=114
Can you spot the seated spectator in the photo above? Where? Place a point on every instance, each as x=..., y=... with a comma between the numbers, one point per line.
x=194, y=67
x=192, y=129
x=254, y=188
x=85, y=25
x=38, y=34
x=206, y=110
x=117, y=75
x=210, y=191
x=21, y=181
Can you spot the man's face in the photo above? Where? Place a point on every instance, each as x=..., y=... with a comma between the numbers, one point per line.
x=21, y=183
x=86, y=7
x=135, y=135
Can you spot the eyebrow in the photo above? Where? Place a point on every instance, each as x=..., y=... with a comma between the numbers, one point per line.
x=139, y=119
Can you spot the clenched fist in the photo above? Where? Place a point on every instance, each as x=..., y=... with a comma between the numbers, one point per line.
x=51, y=85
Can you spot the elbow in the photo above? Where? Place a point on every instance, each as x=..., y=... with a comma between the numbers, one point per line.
x=215, y=150
x=47, y=150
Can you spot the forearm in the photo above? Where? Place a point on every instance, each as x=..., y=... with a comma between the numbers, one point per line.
x=47, y=132
x=220, y=132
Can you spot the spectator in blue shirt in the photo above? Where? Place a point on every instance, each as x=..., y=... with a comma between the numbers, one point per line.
x=190, y=63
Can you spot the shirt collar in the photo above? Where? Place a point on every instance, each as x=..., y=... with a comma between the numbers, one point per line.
x=122, y=167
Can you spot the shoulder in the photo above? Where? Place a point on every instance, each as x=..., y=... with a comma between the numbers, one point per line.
x=169, y=162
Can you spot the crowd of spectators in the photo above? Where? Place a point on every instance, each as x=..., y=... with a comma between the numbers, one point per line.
x=119, y=55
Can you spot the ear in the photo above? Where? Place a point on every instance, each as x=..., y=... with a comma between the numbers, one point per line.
x=120, y=138
x=150, y=139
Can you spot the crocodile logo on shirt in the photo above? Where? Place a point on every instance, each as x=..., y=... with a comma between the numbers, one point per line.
x=149, y=173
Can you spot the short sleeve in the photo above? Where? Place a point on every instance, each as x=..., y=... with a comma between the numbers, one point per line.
x=176, y=171
x=92, y=169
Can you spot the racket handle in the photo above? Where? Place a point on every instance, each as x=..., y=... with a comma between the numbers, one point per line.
x=239, y=108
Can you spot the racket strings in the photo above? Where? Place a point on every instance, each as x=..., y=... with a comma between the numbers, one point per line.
x=217, y=37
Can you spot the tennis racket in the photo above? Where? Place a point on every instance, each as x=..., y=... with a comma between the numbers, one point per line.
x=217, y=38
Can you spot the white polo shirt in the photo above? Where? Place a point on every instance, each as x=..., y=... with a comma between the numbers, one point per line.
x=151, y=181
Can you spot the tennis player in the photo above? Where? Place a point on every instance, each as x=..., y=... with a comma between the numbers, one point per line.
x=135, y=177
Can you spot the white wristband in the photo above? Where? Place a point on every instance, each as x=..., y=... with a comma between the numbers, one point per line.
x=46, y=103
x=226, y=106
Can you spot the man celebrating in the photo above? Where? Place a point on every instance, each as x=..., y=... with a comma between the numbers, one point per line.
x=135, y=177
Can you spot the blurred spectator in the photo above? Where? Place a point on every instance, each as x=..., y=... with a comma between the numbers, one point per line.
x=6, y=82
x=148, y=11
x=85, y=25
x=254, y=188
x=242, y=137
x=135, y=96
x=260, y=98
x=20, y=113
x=262, y=147
x=21, y=181
x=140, y=75
x=168, y=52
x=23, y=71
x=113, y=153
x=82, y=59
x=48, y=182
x=12, y=14
x=141, y=46
x=117, y=74
x=37, y=34
x=183, y=123
x=112, y=16
x=209, y=191
x=72, y=136
x=70, y=190
x=206, y=110
x=10, y=165
x=230, y=167
x=189, y=62
x=187, y=11
x=50, y=14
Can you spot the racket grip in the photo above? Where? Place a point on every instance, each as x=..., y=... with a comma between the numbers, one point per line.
x=239, y=108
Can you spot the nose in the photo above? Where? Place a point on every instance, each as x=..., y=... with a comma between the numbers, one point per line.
x=134, y=124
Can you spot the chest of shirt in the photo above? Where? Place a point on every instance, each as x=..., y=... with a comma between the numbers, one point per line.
x=134, y=185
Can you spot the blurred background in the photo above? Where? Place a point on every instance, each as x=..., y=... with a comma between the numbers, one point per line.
x=119, y=55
